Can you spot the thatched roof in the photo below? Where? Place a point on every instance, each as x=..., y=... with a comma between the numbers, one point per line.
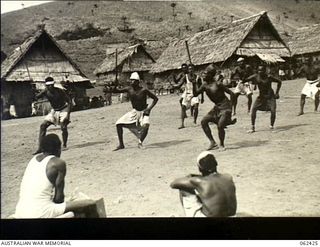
x=130, y=59
x=217, y=45
x=39, y=70
x=305, y=40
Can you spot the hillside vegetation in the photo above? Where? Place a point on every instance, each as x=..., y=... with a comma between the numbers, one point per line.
x=85, y=29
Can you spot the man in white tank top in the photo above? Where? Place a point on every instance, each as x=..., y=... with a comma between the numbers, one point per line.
x=42, y=187
x=187, y=99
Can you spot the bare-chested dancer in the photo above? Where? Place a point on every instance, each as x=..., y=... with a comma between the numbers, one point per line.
x=136, y=120
x=221, y=112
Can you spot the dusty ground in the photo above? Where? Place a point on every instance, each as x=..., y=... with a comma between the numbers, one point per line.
x=276, y=172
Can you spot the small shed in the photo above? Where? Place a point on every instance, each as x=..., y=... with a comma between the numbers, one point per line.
x=130, y=59
x=26, y=68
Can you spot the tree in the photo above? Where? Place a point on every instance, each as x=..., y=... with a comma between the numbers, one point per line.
x=173, y=5
x=174, y=16
x=190, y=14
x=124, y=19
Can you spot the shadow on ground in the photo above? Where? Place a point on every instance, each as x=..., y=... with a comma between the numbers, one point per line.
x=246, y=144
x=167, y=143
x=87, y=144
x=285, y=128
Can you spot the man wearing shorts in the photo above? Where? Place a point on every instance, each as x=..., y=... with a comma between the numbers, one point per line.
x=188, y=100
x=210, y=194
x=42, y=187
x=136, y=120
x=60, y=113
x=266, y=101
x=242, y=71
x=221, y=112
x=312, y=87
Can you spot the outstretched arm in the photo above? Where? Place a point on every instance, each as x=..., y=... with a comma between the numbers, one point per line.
x=182, y=80
x=251, y=78
x=40, y=95
x=117, y=89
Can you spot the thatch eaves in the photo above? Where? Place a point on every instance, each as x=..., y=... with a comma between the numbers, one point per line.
x=305, y=40
x=213, y=45
x=19, y=53
x=125, y=61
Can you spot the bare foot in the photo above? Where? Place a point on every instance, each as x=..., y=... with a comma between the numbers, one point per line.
x=251, y=131
x=213, y=146
x=300, y=113
x=141, y=146
x=181, y=127
x=271, y=127
x=222, y=149
x=233, y=121
x=64, y=148
x=118, y=148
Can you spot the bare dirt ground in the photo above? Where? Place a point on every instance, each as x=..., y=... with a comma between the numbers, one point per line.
x=276, y=172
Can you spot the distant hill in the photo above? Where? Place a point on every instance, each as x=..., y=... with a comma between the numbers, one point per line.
x=85, y=29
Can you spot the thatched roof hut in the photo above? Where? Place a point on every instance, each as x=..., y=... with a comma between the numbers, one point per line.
x=245, y=37
x=305, y=41
x=130, y=59
x=37, y=58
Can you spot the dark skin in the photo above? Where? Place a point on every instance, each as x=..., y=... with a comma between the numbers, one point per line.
x=179, y=79
x=264, y=83
x=216, y=93
x=240, y=73
x=58, y=99
x=195, y=109
x=215, y=191
x=56, y=172
x=138, y=97
x=311, y=73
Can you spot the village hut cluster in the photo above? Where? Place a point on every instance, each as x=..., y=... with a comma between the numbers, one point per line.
x=254, y=38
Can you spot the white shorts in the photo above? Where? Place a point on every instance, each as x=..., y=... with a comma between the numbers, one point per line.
x=310, y=90
x=57, y=117
x=192, y=206
x=189, y=100
x=40, y=210
x=244, y=88
x=134, y=116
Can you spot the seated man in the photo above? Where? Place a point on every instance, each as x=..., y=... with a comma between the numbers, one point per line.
x=210, y=194
x=42, y=186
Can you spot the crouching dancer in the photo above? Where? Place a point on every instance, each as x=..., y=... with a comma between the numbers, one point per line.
x=221, y=112
x=136, y=120
x=42, y=186
x=210, y=194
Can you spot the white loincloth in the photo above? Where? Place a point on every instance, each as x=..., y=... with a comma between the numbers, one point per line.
x=134, y=116
x=310, y=89
x=57, y=117
x=244, y=88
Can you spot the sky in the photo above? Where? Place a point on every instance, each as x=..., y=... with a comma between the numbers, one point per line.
x=7, y=6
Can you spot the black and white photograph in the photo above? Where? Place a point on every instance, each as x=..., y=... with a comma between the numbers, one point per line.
x=160, y=109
